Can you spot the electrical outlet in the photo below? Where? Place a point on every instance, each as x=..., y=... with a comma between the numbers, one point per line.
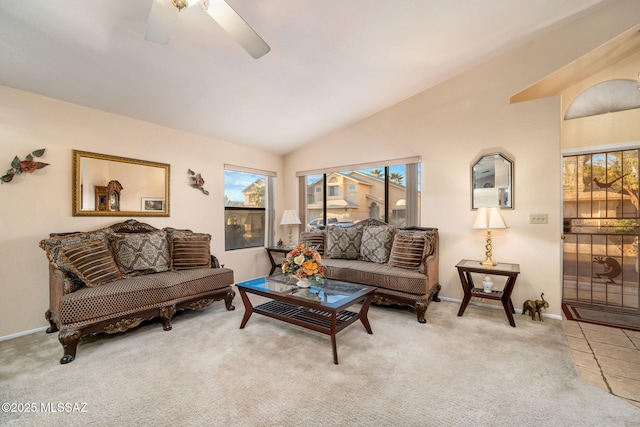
x=538, y=219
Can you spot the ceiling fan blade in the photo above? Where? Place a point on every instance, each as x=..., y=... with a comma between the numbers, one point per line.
x=236, y=27
x=162, y=19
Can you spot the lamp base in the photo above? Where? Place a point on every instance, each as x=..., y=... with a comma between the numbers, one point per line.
x=488, y=262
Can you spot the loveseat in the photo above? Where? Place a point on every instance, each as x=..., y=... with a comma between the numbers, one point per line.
x=401, y=262
x=112, y=279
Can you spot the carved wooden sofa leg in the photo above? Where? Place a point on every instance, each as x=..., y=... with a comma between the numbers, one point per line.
x=436, y=298
x=421, y=309
x=69, y=340
x=167, y=313
x=421, y=306
x=53, y=327
x=228, y=300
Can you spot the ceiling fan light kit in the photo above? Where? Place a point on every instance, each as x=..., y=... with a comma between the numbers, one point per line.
x=163, y=15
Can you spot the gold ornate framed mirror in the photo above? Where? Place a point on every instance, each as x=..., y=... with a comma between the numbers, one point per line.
x=105, y=185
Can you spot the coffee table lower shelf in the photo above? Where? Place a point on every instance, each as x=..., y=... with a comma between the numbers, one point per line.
x=307, y=317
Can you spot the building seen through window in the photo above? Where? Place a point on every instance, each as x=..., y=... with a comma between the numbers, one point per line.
x=245, y=202
x=389, y=194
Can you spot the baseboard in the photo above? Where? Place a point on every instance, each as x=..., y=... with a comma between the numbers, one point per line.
x=498, y=307
x=23, y=333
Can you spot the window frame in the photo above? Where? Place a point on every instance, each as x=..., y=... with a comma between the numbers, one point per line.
x=267, y=209
x=413, y=172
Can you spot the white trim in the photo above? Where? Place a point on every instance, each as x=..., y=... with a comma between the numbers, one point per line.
x=23, y=333
x=368, y=165
x=235, y=168
x=630, y=145
x=497, y=307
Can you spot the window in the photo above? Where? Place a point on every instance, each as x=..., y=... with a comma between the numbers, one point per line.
x=247, y=198
x=388, y=193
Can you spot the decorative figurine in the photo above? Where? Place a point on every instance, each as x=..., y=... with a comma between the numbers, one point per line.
x=487, y=284
x=280, y=243
x=534, y=307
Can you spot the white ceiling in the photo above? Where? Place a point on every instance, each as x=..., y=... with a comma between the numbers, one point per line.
x=332, y=62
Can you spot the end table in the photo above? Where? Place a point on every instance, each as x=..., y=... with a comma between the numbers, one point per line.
x=277, y=250
x=511, y=271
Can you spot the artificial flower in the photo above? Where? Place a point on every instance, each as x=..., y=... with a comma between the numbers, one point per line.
x=304, y=263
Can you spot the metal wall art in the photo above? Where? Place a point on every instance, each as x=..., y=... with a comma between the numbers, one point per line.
x=24, y=166
x=198, y=181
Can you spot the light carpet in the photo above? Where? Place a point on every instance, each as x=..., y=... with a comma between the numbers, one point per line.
x=470, y=370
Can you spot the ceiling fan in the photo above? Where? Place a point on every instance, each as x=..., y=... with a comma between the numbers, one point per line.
x=163, y=17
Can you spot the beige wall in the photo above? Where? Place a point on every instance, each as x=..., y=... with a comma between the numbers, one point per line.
x=33, y=205
x=452, y=124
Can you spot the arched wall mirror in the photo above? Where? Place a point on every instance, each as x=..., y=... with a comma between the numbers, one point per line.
x=492, y=182
x=105, y=185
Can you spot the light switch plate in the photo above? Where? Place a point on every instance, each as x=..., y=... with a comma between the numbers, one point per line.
x=538, y=219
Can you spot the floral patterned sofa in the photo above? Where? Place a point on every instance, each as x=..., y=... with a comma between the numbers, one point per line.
x=401, y=262
x=112, y=279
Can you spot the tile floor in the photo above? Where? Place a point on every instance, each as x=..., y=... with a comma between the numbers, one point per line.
x=606, y=357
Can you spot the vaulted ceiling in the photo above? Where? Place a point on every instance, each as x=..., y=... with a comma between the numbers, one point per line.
x=332, y=62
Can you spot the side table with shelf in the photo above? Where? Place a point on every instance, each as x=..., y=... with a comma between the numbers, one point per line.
x=511, y=271
x=277, y=261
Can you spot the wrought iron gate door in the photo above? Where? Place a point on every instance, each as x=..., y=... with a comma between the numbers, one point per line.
x=601, y=228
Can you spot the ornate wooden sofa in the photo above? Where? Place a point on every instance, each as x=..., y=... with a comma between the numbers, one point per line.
x=112, y=279
x=401, y=262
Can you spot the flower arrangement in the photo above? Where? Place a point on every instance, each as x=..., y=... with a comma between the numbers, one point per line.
x=304, y=263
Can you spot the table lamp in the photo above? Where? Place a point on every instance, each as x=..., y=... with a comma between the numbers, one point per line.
x=489, y=219
x=289, y=218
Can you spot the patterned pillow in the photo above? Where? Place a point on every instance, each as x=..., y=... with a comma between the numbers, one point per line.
x=92, y=262
x=192, y=251
x=141, y=252
x=343, y=242
x=53, y=247
x=314, y=240
x=171, y=232
x=376, y=243
x=407, y=251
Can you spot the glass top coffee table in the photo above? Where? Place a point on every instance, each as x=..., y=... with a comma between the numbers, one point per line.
x=319, y=308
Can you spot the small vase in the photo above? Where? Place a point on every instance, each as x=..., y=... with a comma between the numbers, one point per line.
x=303, y=283
x=487, y=284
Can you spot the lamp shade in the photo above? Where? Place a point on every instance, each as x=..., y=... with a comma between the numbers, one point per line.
x=489, y=219
x=290, y=217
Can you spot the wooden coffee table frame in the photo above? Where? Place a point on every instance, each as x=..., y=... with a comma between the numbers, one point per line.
x=325, y=318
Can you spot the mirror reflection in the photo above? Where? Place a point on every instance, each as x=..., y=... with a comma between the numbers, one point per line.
x=118, y=186
x=492, y=182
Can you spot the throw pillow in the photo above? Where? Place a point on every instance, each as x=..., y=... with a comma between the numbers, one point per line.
x=54, y=245
x=92, y=262
x=376, y=243
x=313, y=240
x=407, y=250
x=343, y=242
x=192, y=251
x=141, y=252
